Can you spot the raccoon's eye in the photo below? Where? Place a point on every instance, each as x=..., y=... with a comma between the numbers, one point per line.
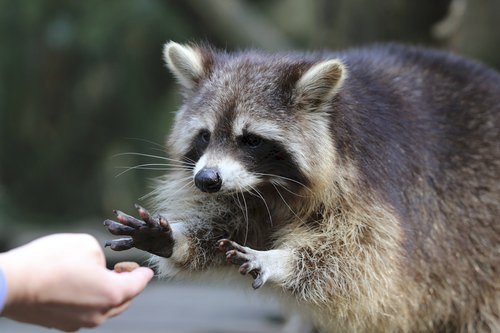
x=204, y=136
x=251, y=140
x=202, y=140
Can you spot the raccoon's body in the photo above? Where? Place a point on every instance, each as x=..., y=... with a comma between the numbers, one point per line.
x=365, y=183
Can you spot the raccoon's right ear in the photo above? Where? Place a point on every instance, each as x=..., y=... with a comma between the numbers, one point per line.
x=189, y=64
x=320, y=82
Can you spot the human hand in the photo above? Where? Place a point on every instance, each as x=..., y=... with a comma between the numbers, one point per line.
x=61, y=281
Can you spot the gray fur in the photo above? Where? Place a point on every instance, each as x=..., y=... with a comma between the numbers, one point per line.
x=391, y=218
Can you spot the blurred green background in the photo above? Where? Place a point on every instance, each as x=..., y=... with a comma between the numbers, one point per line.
x=82, y=81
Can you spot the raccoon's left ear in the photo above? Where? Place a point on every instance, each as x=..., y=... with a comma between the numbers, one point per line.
x=189, y=64
x=320, y=82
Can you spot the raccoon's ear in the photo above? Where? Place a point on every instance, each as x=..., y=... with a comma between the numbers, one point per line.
x=189, y=64
x=320, y=82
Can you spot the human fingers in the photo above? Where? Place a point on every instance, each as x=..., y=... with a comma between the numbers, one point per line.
x=130, y=284
x=118, y=309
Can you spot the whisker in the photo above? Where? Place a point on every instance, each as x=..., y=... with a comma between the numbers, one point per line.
x=184, y=186
x=190, y=160
x=236, y=197
x=159, y=165
x=265, y=203
x=151, y=166
x=286, y=179
x=286, y=203
x=155, y=190
x=147, y=195
x=147, y=141
x=190, y=178
x=155, y=156
x=246, y=217
x=158, y=149
x=287, y=189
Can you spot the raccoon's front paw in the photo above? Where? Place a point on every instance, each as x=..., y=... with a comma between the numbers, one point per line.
x=150, y=234
x=249, y=261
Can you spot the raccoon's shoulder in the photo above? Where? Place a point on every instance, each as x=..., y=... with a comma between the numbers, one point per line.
x=392, y=59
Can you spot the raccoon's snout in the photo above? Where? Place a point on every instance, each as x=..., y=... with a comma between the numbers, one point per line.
x=208, y=180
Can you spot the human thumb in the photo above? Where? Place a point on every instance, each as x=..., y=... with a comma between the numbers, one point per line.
x=133, y=283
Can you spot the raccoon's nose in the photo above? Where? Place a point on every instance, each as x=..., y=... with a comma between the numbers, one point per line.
x=208, y=180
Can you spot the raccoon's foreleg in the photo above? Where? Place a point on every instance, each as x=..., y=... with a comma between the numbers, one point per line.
x=272, y=265
x=150, y=234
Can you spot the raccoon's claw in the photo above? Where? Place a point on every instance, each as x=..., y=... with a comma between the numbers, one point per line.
x=128, y=220
x=246, y=258
x=118, y=229
x=120, y=244
x=150, y=234
x=225, y=245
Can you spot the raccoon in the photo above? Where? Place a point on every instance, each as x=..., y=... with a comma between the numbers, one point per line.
x=364, y=184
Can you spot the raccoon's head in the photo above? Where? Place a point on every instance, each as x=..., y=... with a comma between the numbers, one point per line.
x=251, y=119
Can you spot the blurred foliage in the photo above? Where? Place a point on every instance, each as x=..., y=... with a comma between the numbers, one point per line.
x=78, y=76
x=78, y=79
